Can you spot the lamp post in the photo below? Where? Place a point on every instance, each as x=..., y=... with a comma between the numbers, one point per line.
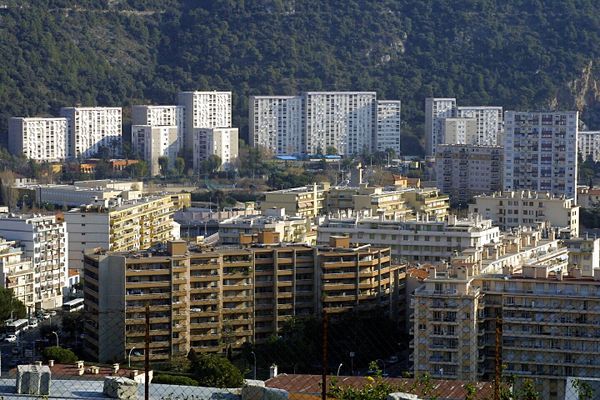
x=339, y=367
x=129, y=357
x=254, y=369
x=56, y=334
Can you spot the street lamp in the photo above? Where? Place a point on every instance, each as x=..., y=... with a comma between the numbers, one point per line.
x=129, y=357
x=339, y=367
x=56, y=334
x=254, y=370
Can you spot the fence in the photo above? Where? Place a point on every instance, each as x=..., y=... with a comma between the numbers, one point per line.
x=158, y=351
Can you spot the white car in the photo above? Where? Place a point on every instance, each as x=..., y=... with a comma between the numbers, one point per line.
x=33, y=323
x=11, y=338
x=52, y=313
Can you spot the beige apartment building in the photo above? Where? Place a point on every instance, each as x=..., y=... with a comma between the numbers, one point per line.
x=306, y=201
x=513, y=209
x=219, y=299
x=459, y=131
x=542, y=303
x=17, y=273
x=123, y=225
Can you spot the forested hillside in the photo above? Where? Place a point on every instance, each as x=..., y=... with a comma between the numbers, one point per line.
x=523, y=54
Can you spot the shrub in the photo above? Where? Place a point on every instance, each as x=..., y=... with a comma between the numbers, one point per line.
x=175, y=380
x=60, y=355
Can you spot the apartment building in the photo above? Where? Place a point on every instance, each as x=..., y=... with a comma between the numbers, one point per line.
x=588, y=197
x=123, y=225
x=513, y=209
x=312, y=122
x=490, y=123
x=458, y=131
x=428, y=203
x=584, y=254
x=436, y=109
x=45, y=242
x=204, y=110
x=220, y=142
x=153, y=142
x=540, y=152
x=588, y=144
x=157, y=115
x=211, y=301
x=288, y=229
x=93, y=128
x=17, y=273
x=276, y=124
x=463, y=171
x=39, y=139
x=304, y=201
x=388, y=125
x=413, y=241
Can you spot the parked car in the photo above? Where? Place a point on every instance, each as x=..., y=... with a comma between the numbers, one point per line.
x=392, y=360
x=33, y=323
x=11, y=338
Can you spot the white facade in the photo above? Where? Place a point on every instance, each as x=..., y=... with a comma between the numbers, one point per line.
x=343, y=120
x=458, y=131
x=91, y=128
x=276, y=123
x=463, y=171
x=421, y=241
x=388, y=125
x=204, y=110
x=221, y=142
x=73, y=195
x=86, y=231
x=588, y=143
x=157, y=115
x=17, y=273
x=514, y=209
x=39, y=139
x=45, y=241
x=152, y=142
x=436, y=109
x=490, y=124
x=540, y=152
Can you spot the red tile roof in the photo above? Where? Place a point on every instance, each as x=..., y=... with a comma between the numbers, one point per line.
x=309, y=386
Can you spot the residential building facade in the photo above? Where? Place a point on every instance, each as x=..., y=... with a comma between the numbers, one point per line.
x=17, y=273
x=458, y=131
x=45, y=242
x=389, y=120
x=436, y=109
x=588, y=144
x=220, y=142
x=464, y=171
x=153, y=142
x=157, y=115
x=306, y=201
x=204, y=110
x=490, y=123
x=540, y=152
x=122, y=225
x=39, y=139
x=93, y=128
x=276, y=124
x=514, y=209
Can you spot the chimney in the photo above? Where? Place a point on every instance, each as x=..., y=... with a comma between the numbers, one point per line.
x=273, y=371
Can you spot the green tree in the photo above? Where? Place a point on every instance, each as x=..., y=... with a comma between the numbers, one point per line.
x=60, y=355
x=163, y=165
x=214, y=371
x=331, y=151
x=180, y=166
x=10, y=306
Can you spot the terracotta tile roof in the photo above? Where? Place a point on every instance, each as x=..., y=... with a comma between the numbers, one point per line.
x=70, y=371
x=309, y=386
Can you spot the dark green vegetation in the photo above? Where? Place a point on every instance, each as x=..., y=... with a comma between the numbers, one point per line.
x=60, y=355
x=519, y=54
x=10, y=306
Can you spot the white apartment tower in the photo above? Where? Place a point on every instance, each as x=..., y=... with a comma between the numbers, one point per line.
x=436, y=109
x=45, y=241
x=153, y=142
x=91, y=128
x=540, y=152
x=458, y=131
x=342, y=120
x=157, y=115
x=489, y=123
x=276, y=123
x=204, y=110
x=39, y=139
x=350, y=122
x=388, y=125
x=221, y=142
x=17, y=273
x=588, y=143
